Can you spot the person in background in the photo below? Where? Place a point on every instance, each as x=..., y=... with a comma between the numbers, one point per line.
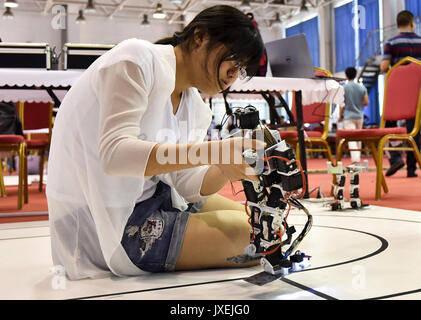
x=406, y=44
x=352, y=114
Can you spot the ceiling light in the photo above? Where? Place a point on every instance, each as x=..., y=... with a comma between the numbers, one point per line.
x=7, y=14
x=303, y=5
x=11, y=3
x=177, y=1
x=245, y=5
x=159, y=12
x=145, y=21
x=90, y=7
x=80, y=18
x=277, y=22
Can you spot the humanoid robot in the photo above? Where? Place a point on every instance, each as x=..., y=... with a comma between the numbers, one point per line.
x=270, y=199
x=354, y=190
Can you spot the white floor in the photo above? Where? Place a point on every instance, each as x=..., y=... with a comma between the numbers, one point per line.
x=14, y=180
x=372, y=253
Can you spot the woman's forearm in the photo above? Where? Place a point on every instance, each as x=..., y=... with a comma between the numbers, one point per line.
x=213, y=181
x=224, y=156
x=173, y=157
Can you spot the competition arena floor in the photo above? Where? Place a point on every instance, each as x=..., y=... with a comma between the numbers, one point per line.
x=371, y=253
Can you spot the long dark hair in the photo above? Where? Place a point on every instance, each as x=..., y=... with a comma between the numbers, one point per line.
x=228, y=26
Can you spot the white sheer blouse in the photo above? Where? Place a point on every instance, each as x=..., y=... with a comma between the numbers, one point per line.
x=103, y=134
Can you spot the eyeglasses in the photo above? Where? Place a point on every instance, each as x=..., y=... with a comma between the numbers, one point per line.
x=239, y=70
x=242, y=73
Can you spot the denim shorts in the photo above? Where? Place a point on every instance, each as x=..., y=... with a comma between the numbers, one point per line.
x=154, y=232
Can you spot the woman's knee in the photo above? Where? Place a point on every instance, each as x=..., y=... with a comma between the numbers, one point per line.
x=212, y=237
x=220, y=228
x=218, y=202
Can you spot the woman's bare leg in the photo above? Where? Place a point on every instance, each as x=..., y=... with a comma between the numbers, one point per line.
x=218, y=202
x=219, y=231
x=212, y=237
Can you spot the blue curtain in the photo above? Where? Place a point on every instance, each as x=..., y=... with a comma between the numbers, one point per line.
x=372, y=110
x=369, y=35
x=369, y=46
x=414, y=6
x=344, y=37
x=311, y=29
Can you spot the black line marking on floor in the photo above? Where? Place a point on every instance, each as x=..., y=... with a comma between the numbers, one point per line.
x=308, y=289
x=395, y=295
x=156, y=289
x=375, y=218
x=23, y=214
x=384, y=245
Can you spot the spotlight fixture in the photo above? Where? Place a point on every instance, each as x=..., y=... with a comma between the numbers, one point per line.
x=159, y=12
x=7, y=14
x=245, y=5
x=90, y=7
x=145, y=21
x=277, y=22
x=80, y=18
x=303, y=5
x=11, y=4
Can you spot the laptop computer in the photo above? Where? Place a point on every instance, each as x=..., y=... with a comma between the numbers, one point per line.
x=290, y=58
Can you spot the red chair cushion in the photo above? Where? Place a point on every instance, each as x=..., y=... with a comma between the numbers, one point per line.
x=36, y=142
x=366, y=133
x=402, y=91
x=294, y=134
x=11, y=138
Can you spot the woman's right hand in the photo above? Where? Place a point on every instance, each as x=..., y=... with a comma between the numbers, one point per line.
x=231, y=162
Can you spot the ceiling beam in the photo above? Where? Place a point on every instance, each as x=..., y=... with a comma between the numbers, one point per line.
x=47, y=6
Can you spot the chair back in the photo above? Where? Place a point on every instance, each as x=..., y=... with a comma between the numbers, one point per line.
x=402, y=96
x=312, y=113
x=37, y=115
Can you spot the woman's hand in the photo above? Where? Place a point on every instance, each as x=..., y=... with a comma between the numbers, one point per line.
x=227, y=163
x=232, y=164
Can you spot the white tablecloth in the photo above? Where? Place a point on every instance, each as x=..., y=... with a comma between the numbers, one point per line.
x=35, y=77
x=14, y=95
x=312, y=90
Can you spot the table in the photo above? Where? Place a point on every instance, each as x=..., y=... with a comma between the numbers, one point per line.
x=307, y=91
x=36, y=85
